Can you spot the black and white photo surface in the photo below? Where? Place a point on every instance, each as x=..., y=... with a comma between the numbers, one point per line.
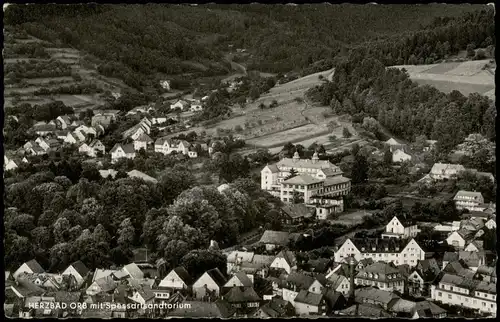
x=249, y=161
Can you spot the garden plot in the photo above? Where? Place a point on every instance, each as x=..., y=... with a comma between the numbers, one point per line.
x=70, y=100
x=46, y=81
x=351, y=219
x=292, y=135
x=18, y=60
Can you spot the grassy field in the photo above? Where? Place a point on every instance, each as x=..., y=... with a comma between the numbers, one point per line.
x=351, y=218
x=292, y=135
x=466, y=77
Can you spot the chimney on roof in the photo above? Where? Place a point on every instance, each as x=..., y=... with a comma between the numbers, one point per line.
x=296, y=156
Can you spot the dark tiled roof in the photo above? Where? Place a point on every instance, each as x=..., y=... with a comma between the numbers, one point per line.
x=289, y=256
x=308, y=298
x=319, y=265
x=297, y=210
x=34, y=266
x=275, y=237
x=183, y=274
x=217, y=276
x=300, y=280
x=80, y=268
x=239, y=294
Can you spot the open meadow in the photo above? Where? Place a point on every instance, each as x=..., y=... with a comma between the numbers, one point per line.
x=466, y=77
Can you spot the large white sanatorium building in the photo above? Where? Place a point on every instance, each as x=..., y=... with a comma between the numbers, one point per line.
x=316, y=179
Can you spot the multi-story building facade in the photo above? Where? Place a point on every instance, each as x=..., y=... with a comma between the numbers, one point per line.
x=396, y=251
x=315, y=178
x=467, y=293
x=382, y=275
x=470, y=200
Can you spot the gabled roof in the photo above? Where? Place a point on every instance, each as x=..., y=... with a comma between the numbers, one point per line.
x=319, y=265
x=275, y=237
x=106, y=284
x=336, y=280
x=127, y=148
x=305, y=163
x=199, y=309
x=133, y=270
x=289, y=257
x=27, y=288
x=392, y=141
x=34, y=266
x=297, y=210
x=277, y=307
x=80, y=267
x=365, y=310
x=427, y=309
x=141, y=175
x=183, y=274
x=273, y=168
x=243, y=278
x=381, y=245
x=443, y=168
x=374, y=294
x=238, y=294
x=300, y=280
x=217, y=276
x=144, y=138
x=146, y=293
x=308, y=298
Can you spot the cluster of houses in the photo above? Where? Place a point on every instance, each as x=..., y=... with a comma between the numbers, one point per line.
x=193, y=105
x=372, y=277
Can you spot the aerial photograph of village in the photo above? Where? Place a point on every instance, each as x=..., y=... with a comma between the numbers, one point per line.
x=249, y=161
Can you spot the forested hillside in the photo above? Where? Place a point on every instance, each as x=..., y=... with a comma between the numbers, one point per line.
x=135, y=42
x=363, y=86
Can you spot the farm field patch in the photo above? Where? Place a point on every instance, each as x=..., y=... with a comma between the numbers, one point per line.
x=43, y=81
x=466, y=77
x=351, y=219
x=292, y=135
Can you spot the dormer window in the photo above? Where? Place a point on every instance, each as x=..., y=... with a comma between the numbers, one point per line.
x=362, y=248
x=373, y=248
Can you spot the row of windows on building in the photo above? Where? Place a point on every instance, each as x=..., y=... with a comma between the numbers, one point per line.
x=466, y=299
x=379, y=284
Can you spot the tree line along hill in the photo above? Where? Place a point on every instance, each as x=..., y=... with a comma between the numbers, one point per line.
x=136, y=42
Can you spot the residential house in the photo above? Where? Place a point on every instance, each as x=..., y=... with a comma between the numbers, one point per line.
x=43, y=129
x=79, y=135
x=30, y=267
x=133, y=271
x=427, y=309
x=295, y=213
x=47, y=144
x=249, y=263
x=326, y=206
x=103, y=118
x=399, y=156
x=396, y=229
x=294, y=283
x=442, y=171
x=196, y=108
x=21, y=289
x=141, y=175
x=374, y=296
x=275, y=308
x=339, y=283
x=143, y=295
x=13, y=163
x=365, y=310
x=181, y=104
x=335, y=301
x=466, y=292
x=72, y=138
x=243, y=299
x=209, y=284
x=491, y=224
x=320, y=265
x=177, y=279
x=456, y=239
x=382, y=275
x=421, y=278
x=285, y=260
x=78, y=270
x=141, y=110
x=142, y=142
x=390, y=250
x=475, y=246
x=487, y=273
x=239, y=279
x=316, y=178
x=143, y=127
x=167, y=146
x=105, y=284
x=273, y=239
x=473, y=259
x=394, y=144
x=470, y=200
x=122, y=151
x=308, y=303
